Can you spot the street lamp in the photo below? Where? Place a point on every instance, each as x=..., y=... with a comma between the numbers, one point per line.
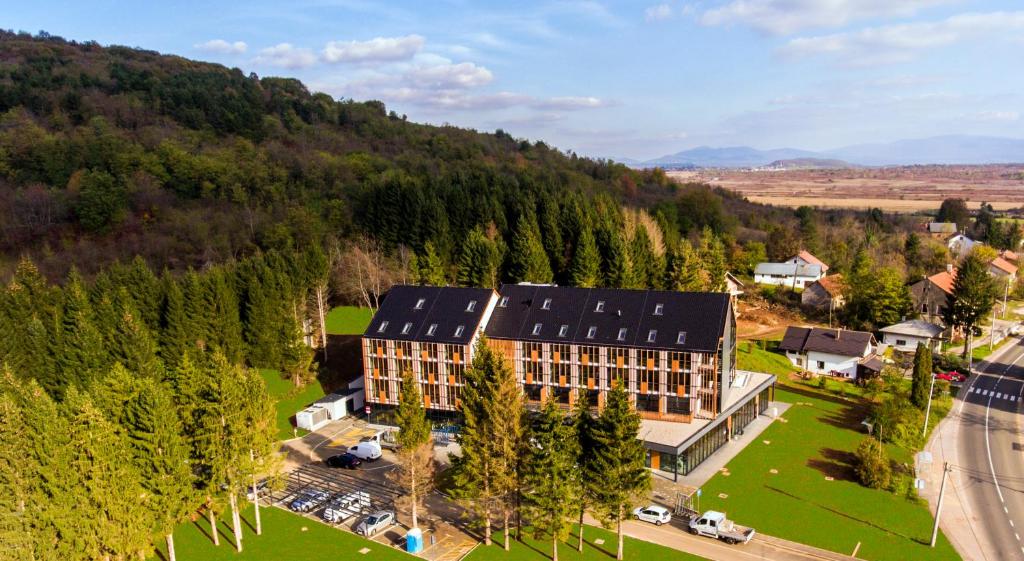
x=928, y=409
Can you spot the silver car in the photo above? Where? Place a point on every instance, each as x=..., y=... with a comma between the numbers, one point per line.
x=309, y=500
x=376, y=522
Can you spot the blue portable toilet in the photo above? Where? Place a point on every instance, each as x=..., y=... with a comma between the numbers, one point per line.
x=414, y=540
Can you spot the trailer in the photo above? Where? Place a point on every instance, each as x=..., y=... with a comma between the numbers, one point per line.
x=714, y=524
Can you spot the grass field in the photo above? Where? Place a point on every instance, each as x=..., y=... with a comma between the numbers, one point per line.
x=348, y=320
x=286, y=537
x=539, y=550
x=982, y=352
x=751, y=357
x=288, y=400
x=798, y=502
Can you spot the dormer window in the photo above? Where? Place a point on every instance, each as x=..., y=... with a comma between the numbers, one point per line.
x=503, y=303
x=420, y=303
x=459, y=330
x=546, y=305
x=432, y=330
x=471, y=306
x=600, y=306
x=652, y=335
x=622, y=334
x=681, y=338
x=591, y=332
x=563, y=330
x=407, y=328
x=659, y=309
x=383, y=326
x=536, y=328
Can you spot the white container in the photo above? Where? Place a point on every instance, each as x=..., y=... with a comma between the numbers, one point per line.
x=334, y=404
x=312, y=418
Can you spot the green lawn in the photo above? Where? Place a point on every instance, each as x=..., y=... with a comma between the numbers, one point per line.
x=348, y=320
x=286, y=537
x=799, y=504
x=982, y=352
x=751, y=357
x=539, y=550
x=288, y=400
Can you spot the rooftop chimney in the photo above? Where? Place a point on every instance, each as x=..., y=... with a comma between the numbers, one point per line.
x=949, y=268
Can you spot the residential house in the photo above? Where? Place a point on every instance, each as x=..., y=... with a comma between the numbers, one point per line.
x=931, y=294
x=1010, y=256
x=674, y=352
x=792, y=275
x=835, y=352
x=960, y=245
x=1003, y=270
x=733, y=285
x=825, y=294
x=805, y=258
x=905, y=336
x=941, y=229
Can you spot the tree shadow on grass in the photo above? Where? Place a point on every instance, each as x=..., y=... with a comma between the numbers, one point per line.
x=838, y=464
x=807, y=392
x=843, y=514
x=574, y=536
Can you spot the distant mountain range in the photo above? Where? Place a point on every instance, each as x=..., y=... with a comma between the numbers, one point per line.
x=949, y=149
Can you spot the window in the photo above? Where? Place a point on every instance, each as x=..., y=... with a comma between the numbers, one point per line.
x=901, y=342
x=563, y=331
x=503, y=303
x=681, y=338
x=600, y=306
x=622, y=334
x=407, y=328
x=459, y=330
x=591, y=332
x=546, y=305
x=659, y=309
x=652, y=335
x=471, y=306
x=383, y=326
x=821, y=365
x=536, y=328
x=431, y=330
x=420, y=303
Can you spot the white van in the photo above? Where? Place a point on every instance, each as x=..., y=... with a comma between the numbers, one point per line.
x=366, y=451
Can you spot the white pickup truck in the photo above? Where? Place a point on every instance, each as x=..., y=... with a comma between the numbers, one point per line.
x=714, y=524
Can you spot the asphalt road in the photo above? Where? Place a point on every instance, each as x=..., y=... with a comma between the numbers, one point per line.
x=991, y=452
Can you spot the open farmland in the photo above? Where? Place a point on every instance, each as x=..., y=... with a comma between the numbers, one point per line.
x=897, y=189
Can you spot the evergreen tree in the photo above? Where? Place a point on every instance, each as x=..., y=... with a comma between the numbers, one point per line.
x=615, y=266
x=973, y=297
x=174, y=335
x=618, y=461
x=584, y=484
x=527, y=259
x=684, y=268
x=18, y=480
x=80, y=350
x=415, y=471
x=478, y=262
x=132, y=344
x=645, y=271
x=225, y=322
x=551, y=235
x=198, y=315
x=921, y=384
x=712, y=254
x=585, y=270
x=432, y=271
x=145, y=290
x=550, y=476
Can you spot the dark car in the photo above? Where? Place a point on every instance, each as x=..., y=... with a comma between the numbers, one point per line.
x=346, y=460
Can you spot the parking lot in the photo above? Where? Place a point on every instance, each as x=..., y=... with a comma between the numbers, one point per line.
x=443, y=542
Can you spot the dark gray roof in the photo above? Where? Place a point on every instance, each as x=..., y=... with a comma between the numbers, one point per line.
x=700, y=315
x=444, y=307
x=834, y=341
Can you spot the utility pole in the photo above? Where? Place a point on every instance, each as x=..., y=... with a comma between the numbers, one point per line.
x=1006, y=292
x=938, y=508
x=992, y=331
x=928, y=410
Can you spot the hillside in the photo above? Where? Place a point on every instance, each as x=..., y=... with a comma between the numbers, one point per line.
x=729, y=157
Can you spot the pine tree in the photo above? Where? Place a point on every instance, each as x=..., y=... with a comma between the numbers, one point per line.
x=414, y=473
x=615, y=267
x=80, y=351
x=159, y=451
x=478, y=261
x=145, y=289
x=198, y=315
x=584, y=484
x=684, y=268
x=527, y=259
x=174, y=335
x=921, y=383
x=618, y=461
x=18, y=481
x=644, y=262
x=585, y=269
x=550, y=476
x=132, y=344
x=432, y=271
x=973, y=297
x=712, y=254
x=225, y=322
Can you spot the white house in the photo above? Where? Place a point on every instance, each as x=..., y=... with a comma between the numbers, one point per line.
x=906, y=335
x=793, y=275
x=1002, y=269
x=835, y=352
x=960, y=245
x=806, y=258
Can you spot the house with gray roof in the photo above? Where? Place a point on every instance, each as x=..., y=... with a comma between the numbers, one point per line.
x=792, y=275
x=836, y=352
x=905, y=336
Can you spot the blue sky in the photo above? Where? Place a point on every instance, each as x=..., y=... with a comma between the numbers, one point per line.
x=632, y=79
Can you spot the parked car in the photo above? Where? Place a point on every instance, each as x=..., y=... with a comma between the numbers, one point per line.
x=262, y=487
x=376, y=522
x=714, y=524
x=1016, y=329
x=309, y=500
x=343, y=507
x=654, y=514
x=951, y=376
x=346, y=460
x=366, y=451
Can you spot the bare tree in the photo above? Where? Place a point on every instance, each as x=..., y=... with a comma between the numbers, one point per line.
x=363, y=272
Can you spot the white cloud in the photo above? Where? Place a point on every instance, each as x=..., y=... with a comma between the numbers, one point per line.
x=449, y=76
x=286, y=55
x=1005, y=116
x=661, y=12
x=783, y=17
x=221, y=46
x=379, y=49
x=569, y=103
x=902, y=43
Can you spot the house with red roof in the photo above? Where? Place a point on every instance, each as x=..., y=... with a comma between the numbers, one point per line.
x=930, y=295
x=805, y=258
x=1002, y=269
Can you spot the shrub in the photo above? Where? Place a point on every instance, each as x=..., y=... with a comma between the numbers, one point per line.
x=873, y=469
